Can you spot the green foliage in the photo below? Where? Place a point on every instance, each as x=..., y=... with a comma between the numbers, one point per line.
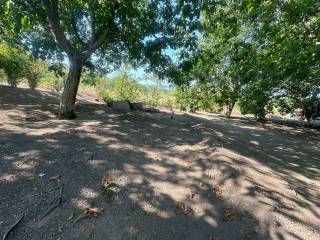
x=56, y=84
x=33, y=72
x=17, y=66
x=252, y=51
x=121, y=87
x=3, y=76
x=196, y=97
x=116, y=31
x=255, y=101
x=89, y=79
x=310, y=104
x=49, y=80
x=11, y=64
x=102, y=86
x=125, y=88
x=153, y=97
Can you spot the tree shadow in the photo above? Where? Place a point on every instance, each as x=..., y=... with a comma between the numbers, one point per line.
x=265, y=175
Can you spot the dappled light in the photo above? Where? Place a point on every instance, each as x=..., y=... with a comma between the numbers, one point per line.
x=239, y=178
x=171, y=120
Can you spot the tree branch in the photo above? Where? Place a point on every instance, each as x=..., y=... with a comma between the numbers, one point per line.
x=54, y=20
x=93, y=29
x=95, y=42
x=74, y=27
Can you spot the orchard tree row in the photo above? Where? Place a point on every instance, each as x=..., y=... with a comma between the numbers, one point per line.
x=260, y=55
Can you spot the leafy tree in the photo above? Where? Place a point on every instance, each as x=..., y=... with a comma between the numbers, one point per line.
x=17, y=65
x=12, y=63
x=125, y=88
x=112, y=30
x=226, y=54
x=196, y=97
x=289, y=34
x=252, y=51
x=33, y=71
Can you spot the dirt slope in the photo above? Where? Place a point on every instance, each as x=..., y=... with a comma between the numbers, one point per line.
x=235, y=179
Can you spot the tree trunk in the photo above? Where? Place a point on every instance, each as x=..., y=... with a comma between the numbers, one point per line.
x=68, y=98
x=229, y=109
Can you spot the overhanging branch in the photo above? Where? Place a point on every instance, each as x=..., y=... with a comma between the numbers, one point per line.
x=54, y=20
x=95, y=41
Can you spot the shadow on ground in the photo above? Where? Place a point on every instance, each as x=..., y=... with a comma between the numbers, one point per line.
x=264, y=176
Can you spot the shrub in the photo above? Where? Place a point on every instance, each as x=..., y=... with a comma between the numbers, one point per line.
x=101, y=87
x=3, y=76
x=56, y=84
x=255, y=101
x=11, y=63
x=49, y=80
x=33, y=73
x=197, y=97
x=126, y=89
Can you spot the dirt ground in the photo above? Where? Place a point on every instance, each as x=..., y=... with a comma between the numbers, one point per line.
x=190, y=177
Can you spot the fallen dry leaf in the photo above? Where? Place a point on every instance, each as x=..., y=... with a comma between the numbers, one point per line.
x=218, y=192
x=183, y=207
x=89, y=212
x=94, y=211
x=109, y=187
x=105, y=181
x=191, y=193
x=229, y=214
x=276, y=223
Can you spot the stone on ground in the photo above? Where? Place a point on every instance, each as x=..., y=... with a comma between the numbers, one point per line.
x=122, y=105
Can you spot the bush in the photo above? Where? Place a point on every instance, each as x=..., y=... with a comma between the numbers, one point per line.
x=49, y=80
x=122, y=87
x=197, y=97
x=34, y=72
x=126, y=89
x=101, y=87
x=56, y=84
x=3, y=76
x=118, y=88
x=255, y=101
x=14, y=79
x=11, y=64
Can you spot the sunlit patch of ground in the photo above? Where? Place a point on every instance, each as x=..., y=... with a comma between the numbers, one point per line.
x=193, y=177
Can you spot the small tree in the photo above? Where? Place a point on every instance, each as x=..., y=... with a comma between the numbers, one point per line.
x=114, y=30
x=11, y=63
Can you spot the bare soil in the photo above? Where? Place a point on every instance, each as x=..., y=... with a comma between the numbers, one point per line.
x=190, y=177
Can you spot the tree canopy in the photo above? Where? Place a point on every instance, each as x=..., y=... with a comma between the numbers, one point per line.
x=261, y=54
x=112, y=31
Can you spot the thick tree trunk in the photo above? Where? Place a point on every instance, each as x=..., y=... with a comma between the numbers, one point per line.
x=68, y=98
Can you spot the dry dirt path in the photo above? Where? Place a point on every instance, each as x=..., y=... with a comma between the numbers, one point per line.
x=235, y=179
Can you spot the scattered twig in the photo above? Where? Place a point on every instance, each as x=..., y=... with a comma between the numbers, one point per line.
x=54, y=206
x=183, y=207
x=71, y=216
x=55, y=178
x=11, y=228
x=218, y=192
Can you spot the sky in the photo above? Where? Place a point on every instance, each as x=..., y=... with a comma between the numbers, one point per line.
x=141, y=75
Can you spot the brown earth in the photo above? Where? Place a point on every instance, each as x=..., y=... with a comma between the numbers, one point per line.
x=190, y=177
